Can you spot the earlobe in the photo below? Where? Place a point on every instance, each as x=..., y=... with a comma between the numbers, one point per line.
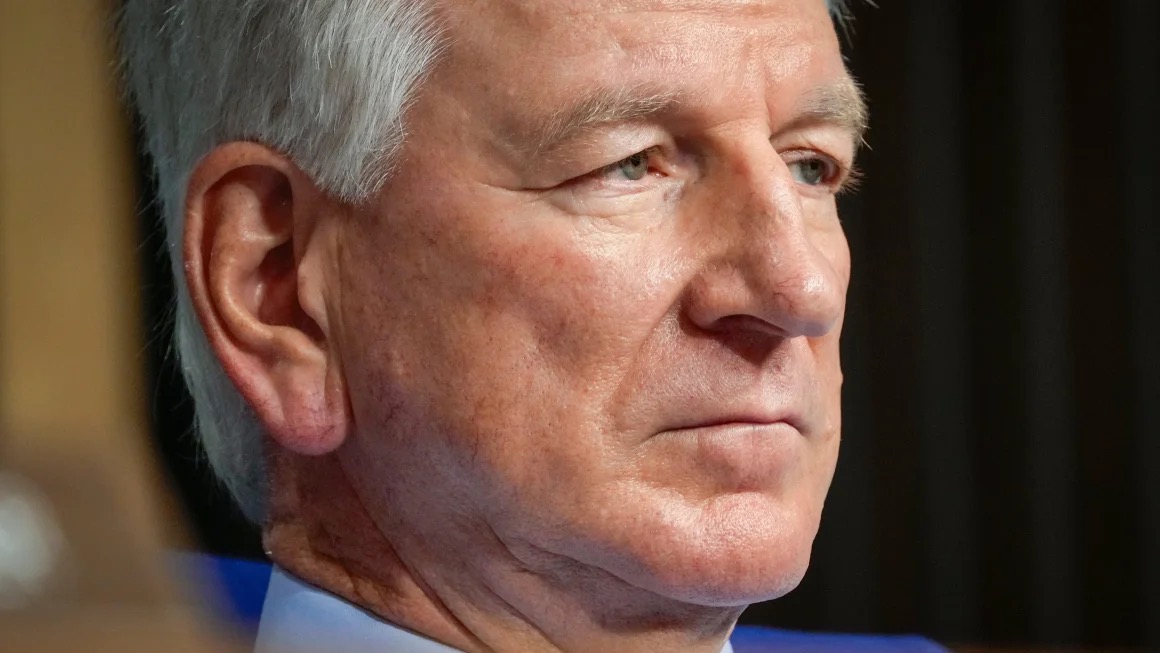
x=256, y=227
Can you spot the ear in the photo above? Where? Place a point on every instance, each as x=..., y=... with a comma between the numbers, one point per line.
x=259, y=255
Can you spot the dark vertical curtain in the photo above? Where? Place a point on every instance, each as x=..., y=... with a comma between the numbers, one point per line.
x=999, y=478
x=999, y=474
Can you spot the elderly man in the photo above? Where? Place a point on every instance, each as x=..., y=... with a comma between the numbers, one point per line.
x=514, y=323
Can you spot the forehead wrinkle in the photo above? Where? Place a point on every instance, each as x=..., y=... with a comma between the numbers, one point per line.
x=712, y=7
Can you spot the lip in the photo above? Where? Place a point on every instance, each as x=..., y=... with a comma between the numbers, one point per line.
x=737, y=453
x=748, y=418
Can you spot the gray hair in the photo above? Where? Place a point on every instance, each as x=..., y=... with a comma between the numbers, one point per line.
x=326, y=82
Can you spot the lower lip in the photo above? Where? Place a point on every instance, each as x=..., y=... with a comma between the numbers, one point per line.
x=744, y=455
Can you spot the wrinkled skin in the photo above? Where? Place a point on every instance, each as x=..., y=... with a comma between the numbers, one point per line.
x=590, y=397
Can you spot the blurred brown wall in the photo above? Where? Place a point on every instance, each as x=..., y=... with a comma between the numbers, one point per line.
x=69, y=317
x=70, y=325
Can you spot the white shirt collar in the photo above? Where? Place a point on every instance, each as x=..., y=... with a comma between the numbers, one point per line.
x=299, y=618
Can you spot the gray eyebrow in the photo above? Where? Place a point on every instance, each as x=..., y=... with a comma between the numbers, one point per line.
x=600, y=107
x=840, y=104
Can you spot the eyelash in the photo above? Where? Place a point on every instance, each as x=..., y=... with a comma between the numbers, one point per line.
x=840, y=181
x=851, y=183
x=649, y=155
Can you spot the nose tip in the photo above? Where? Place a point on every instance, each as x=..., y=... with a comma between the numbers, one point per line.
x=809, y=305
x=792, y=294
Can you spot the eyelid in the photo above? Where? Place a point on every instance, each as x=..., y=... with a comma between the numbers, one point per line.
x=650, y=154
x=575, y=155
x=845, y=176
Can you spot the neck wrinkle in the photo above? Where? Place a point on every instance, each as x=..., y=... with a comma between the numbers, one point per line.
x=319, y=531
x=622, y=620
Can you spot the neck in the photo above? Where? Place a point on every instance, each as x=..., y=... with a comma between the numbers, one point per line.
x=472, y=592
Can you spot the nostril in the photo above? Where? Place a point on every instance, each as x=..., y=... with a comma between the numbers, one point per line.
x=749, y=326
x=751, y=338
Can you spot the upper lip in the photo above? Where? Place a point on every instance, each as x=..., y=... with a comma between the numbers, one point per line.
x=787, y=416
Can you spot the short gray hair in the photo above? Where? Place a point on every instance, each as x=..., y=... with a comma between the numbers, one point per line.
x=326, y=82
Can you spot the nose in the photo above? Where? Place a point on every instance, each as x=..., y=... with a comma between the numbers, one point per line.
x=777, y=263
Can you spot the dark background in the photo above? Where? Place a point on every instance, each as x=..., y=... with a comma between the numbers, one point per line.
x=998, y=480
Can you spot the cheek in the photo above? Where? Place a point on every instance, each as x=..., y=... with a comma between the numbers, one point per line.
x=563, y=327
x=829, y=396
x=507, y=342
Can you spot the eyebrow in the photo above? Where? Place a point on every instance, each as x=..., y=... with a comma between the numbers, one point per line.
x=602, y=106
x=840, y=104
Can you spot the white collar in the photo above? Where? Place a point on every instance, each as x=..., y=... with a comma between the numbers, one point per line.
x=300, y=618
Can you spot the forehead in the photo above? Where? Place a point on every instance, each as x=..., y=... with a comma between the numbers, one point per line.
x=512, y=62
x=532, y=12
x=547, y=34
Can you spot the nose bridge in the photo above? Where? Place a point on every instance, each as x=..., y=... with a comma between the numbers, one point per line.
x=764, y=188
x=773, y=269
x=777, y=254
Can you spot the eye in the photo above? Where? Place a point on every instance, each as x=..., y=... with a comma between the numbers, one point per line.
x=633, y=168
x=814, y=171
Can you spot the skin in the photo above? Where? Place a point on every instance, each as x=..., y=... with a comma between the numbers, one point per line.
x=522, y=399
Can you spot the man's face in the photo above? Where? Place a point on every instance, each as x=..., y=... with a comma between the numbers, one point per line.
x=592, y=320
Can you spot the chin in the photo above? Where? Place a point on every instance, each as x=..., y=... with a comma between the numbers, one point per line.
x=757, y=588
x=735, y=554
